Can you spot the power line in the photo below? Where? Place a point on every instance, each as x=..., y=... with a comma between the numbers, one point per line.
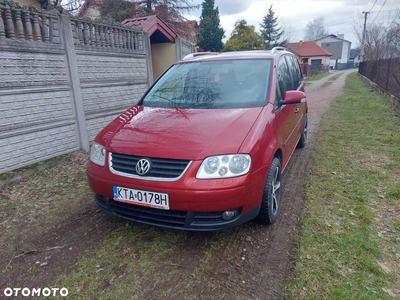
x=338, y=21
x=327, y=25
x=386, y=10
x=344, y=29
x=372, y=6
x=379, y=11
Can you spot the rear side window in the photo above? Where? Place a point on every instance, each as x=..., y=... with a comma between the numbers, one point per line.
x=284, y=77
x=295, y=70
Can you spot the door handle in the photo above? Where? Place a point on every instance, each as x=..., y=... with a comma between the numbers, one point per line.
x=296, y=110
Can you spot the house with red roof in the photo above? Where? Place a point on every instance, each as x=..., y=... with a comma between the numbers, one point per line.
x=310, y=53
x=311, y=56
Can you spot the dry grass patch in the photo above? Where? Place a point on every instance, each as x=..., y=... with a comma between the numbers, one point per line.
x=34, y=204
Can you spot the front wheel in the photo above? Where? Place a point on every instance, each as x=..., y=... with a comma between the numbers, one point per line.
x=271, y=197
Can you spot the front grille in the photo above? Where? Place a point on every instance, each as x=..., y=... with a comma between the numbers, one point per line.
x=160, y=167
x=164, y=218
x=148, y=215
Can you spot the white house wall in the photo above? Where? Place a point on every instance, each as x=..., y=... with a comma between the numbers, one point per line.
x=346, y=46
x=345, y=52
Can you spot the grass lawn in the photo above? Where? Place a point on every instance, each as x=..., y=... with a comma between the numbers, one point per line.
x=331, y=80
x=349, y=246
x=317, y=77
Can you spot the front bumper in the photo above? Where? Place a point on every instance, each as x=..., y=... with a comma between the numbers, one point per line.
x=195, y=221
x=194, y=204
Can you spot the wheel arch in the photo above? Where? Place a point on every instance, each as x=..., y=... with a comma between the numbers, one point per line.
x=278, y=154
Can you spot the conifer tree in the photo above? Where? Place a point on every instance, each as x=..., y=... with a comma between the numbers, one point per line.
x=270, y=30
x=210, y=34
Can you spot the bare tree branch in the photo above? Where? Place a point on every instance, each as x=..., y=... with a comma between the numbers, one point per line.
x=315, y=29
x=381, y=41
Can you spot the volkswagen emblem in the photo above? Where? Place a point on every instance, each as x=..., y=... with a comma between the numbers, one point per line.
x=143, y=167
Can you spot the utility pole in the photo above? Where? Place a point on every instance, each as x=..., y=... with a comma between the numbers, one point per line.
x=363, y=35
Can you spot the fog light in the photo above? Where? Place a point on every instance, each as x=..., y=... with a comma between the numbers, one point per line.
x=228, y=215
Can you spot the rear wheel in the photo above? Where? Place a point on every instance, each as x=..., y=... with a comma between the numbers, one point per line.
x=303, y=139
x=271, y=198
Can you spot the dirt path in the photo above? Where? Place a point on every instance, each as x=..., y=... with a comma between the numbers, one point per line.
x=257, y=272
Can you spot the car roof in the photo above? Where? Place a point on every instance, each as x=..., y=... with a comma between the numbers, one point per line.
x=253, y=54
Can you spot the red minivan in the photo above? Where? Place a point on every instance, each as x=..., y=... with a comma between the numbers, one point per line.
x=205, y=146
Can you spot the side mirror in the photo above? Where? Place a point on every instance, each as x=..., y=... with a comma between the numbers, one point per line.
x=293, y=97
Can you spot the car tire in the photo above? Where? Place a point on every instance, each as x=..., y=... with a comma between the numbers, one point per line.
x=271, y=197
x=303, y=139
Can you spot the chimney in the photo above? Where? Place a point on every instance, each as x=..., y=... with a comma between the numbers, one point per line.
x=301, y=43
x=163, y=9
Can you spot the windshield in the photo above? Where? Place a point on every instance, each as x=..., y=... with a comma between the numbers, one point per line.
x=212, y=84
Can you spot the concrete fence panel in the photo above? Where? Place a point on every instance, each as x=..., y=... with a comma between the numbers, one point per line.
x=62, y=80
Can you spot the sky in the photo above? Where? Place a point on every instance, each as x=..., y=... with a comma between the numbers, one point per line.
x=340, y=17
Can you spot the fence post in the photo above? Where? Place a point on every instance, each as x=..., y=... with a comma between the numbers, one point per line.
x=388, y=74
x=9, y=22
x=2, y=29
x=75, y=81
x=147, y=50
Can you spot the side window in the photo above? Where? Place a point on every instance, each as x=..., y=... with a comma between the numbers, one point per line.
x=289, y=62
x=284, y=77
x=296, y=72
x=289, y=77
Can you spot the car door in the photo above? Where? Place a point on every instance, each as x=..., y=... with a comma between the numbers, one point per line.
x=283, y=112
x=298, y=84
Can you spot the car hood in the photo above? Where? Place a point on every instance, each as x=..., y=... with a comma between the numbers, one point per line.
x=179, y=133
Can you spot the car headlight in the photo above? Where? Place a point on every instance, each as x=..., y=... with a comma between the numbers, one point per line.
x=98, y=154
x=224, y=166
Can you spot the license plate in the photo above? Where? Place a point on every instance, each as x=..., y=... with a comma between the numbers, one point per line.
x=140, y=197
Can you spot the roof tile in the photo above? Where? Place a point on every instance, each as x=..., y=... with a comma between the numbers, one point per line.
x=309, y=49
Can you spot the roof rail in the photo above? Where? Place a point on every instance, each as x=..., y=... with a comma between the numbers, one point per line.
x=279, y=48
x=196, y=54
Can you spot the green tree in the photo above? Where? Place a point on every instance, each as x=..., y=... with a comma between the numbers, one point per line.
x=211, y=33
x=270, y=30
x=244, y=37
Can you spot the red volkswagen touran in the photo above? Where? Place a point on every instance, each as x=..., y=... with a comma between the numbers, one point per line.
x=205, y=147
